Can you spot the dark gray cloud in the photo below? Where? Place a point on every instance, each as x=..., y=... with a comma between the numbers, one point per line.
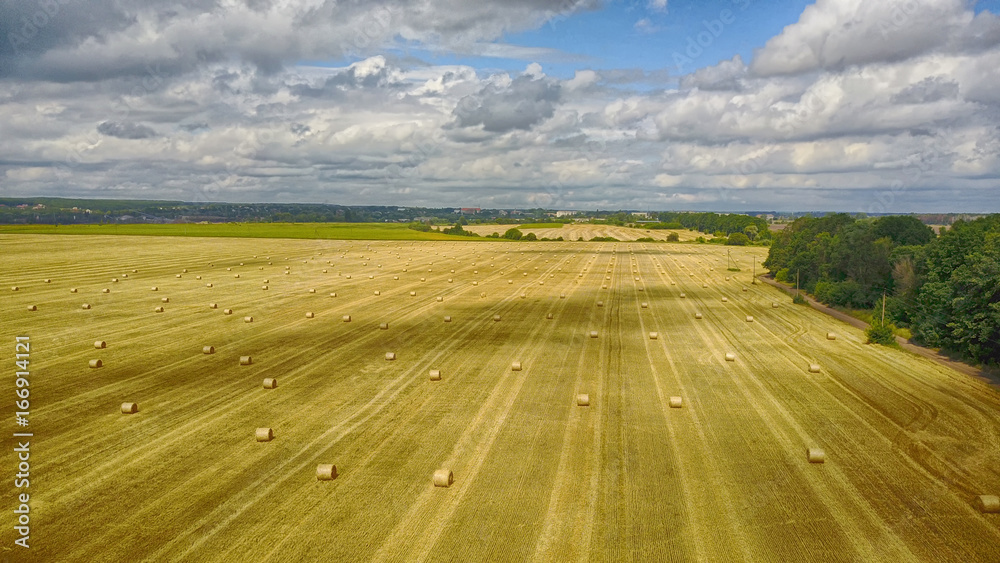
x=928, y=90
x=499, y=109
x=126, y=130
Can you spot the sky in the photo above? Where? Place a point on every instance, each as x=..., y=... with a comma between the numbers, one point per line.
x=718, y=105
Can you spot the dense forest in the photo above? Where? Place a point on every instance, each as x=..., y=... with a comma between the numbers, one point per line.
x=945, y=288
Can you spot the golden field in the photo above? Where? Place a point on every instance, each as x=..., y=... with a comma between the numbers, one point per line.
x=909, y=444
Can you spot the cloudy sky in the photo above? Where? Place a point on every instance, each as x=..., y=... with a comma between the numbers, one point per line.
x=735, y=105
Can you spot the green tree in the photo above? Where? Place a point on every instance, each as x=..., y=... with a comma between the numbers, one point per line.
x=738, y=239
x=513, y=234
x=751, y=232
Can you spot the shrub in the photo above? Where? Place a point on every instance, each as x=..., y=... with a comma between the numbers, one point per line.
x=513, y=234
x=673, y=237
x=879, y=333
x=529, y=236
x=798, y=299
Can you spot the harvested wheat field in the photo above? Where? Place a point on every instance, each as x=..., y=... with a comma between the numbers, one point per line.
x=907, y=446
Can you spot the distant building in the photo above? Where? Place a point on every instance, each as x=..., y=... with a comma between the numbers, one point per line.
x=565, y=213
x=469, y=210
x=643, y=214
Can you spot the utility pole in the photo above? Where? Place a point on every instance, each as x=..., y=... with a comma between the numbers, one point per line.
x=754, y=281
x=883, y=308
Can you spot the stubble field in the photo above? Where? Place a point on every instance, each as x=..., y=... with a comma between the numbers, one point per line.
x=909, y=444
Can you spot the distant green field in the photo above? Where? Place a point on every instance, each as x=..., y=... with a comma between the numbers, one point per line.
x=337, y=231
x=541, y=226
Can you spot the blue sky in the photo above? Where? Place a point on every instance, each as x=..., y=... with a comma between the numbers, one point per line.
x=849, y=105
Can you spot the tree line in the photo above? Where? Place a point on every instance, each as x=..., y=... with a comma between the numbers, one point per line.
x=945, y=288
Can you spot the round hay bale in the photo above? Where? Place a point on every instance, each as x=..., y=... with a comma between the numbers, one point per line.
x=197, y=277
x=377, y=292
x=725, y=300
x=644, y=305
x=730, y=357
x=600, y=303
x=475, y=283
x=593, y=334
x=114, y=280
x=270, y=383
x=435, y=375
x=95, y=363
x=510, y=282
x=264, y=287
x=346, y=318
x=443, y=478
x=641, y=289
x=676, y=402
x=524, y=295
x=326, y=472
x=208, y=285
x=208, y=349
x=248, y=319
x=988, y=503
x=815, y=455
x=130, y=408
x=548, y=316
x=413, y=294
x=697, y=315
x=72, y=290
x=264, y=434
x=178, y=275
x=749, y=318
x=333, y=294
x=447, y=319
x=165, y=299
x=371, y=277
x=324, y=271
x=439, y=299
x=158, y=310
x=390, y=356
x=105, y=290
x=562, y=296
x=515, y=366
x=32, y=308
x=395, y=277
x=227, y=311
x=831, y=336
x=312, y=291
x=496, y=318
x=654, y=335
x=683, y=296
x=383, y=326
x=154, y=288
x=727, y=278
x=213, y=305
x=266, y=281
x=704, y=285
x=450, y=280
x=540, y=282
x=246, y=360
x=348, y=276
x=47, y=280
x=814, y=368
x=744, y=288
x=135, y=271
x=310, y=315
x=774, y=304
x=100, y=344
x=423, y=279
x=583, y=400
